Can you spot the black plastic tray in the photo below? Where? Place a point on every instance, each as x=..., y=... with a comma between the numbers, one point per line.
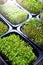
x=33, y=15
x=16, y=30
x=15, y=25
x=2, y=62
x=19, y=29
x=6, y=22
x=37, y=50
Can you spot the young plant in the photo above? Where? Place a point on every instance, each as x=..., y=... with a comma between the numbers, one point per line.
x=13, y=13
x=3, y=28
x=16, y=50
x=33, y=6
x=34, y=30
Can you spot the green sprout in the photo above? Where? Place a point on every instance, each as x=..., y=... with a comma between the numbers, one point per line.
x=3, y=28
x=34, y=30
x=16, y=50
x=13, y=13
x=33, y=6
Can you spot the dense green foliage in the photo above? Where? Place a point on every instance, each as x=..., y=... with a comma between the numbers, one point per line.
x=3, y=28
x=41, y=16
x=17, y=50
x=34, y=30
x=13, y=13
x=33, y=6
